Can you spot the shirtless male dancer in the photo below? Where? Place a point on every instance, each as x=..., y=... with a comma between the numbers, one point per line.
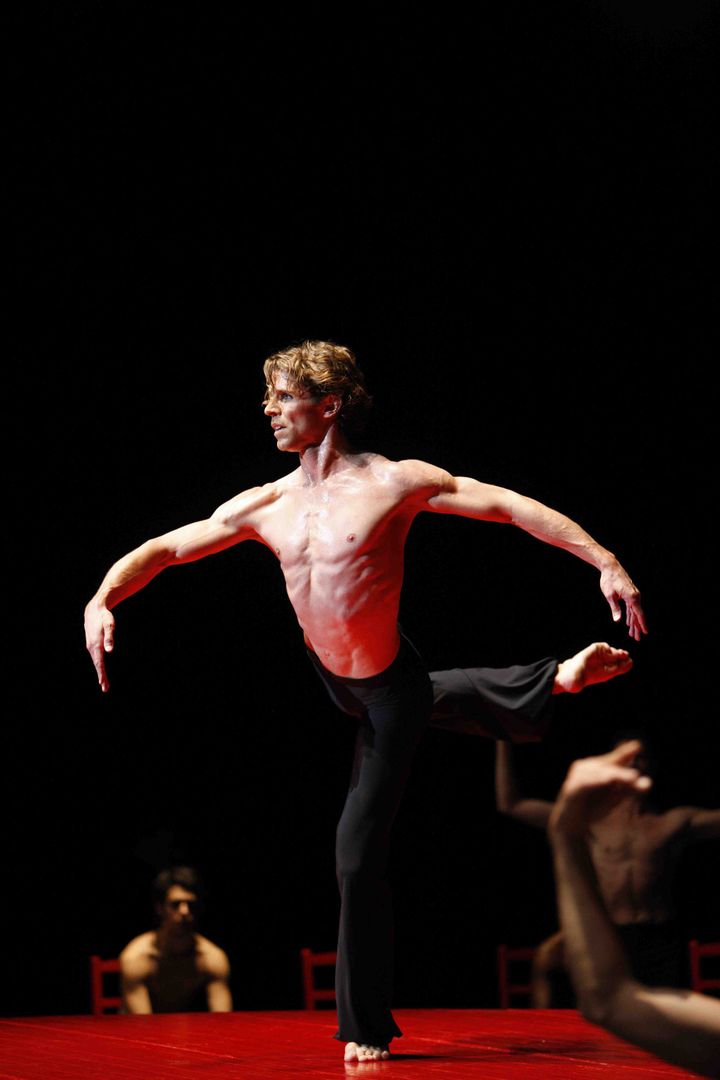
x=635, y=850
x=338, y=525
x=173, y=968
x=678, y=1026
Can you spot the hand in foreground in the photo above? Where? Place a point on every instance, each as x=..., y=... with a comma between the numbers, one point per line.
x=99, y=639
x=618, y=588
x=593, y=786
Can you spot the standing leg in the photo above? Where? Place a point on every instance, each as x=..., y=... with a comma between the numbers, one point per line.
x=396, y=711
x=364, y=973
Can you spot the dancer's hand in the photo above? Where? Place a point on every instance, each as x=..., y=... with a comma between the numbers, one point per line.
x=593, y=786
x=99, y=638
x=618, y=588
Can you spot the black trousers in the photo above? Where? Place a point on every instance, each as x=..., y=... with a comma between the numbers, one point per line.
x=393, y=708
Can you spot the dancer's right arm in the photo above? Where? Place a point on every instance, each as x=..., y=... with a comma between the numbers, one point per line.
x=229, y=525
x=135, y=996
x=508, y=799
x=135, y=970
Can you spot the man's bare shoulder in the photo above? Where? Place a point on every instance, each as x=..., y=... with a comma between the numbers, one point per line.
x=660, y=829
x=685, y=821
x=141, y=952
x=411, y=475
x=242, y=506
x=211, y=958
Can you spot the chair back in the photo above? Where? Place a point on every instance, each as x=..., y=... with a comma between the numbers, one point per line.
x=511, y=961
x=701, y=981
x=309, y=963
x=102, y=1001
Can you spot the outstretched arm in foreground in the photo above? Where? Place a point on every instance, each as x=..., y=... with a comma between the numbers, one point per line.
x=229, y=525
x=679, y=1026
x=470, y=498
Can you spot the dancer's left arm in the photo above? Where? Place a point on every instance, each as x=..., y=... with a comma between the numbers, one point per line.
x=446, y=494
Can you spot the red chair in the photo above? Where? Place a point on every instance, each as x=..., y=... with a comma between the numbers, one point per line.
x=309, y=963
x=510, y=984
x=102, y=1002
x=699, y=951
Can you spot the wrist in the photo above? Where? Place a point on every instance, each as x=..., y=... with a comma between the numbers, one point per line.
x=566, y=834
x=98, y=603
x=605, y=560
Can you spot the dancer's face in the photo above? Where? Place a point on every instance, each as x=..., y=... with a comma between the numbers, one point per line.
x=298, y=419
x=177, y=912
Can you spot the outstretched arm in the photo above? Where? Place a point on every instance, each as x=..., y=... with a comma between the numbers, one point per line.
x=691, y=824
x=703, y=824
x=486, y=502
x=508, y=799
x=678, y=1026
x=230, y=524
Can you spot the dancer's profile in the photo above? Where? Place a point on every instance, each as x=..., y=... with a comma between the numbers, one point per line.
x=338, y=524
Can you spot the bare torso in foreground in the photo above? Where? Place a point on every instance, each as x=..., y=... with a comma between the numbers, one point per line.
x=636, y=850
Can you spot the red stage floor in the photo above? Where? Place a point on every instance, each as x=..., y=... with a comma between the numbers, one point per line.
x=461, y=1044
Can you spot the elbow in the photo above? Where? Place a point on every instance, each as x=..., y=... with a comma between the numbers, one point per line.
x=603, y=1003
x=594, y=1006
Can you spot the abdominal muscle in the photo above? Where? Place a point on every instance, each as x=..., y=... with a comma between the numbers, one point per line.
x=341, y=548
x=348, y=612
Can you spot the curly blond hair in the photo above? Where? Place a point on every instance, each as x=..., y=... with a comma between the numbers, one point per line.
x=322, y=367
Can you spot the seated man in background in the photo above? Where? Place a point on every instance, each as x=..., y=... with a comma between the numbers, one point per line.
x=677, y=1025
x=635, y=851
x=174, y=968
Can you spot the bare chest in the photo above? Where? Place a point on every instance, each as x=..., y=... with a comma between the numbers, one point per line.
x=329, y=525
x=642, y=845
x=175, y=980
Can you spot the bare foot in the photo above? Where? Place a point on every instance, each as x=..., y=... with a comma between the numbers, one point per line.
x=362, y=1052
x=595, y=664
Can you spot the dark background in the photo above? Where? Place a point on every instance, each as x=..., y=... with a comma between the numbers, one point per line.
x=509, y=217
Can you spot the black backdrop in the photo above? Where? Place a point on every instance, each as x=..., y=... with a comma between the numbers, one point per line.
x=509, y=216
